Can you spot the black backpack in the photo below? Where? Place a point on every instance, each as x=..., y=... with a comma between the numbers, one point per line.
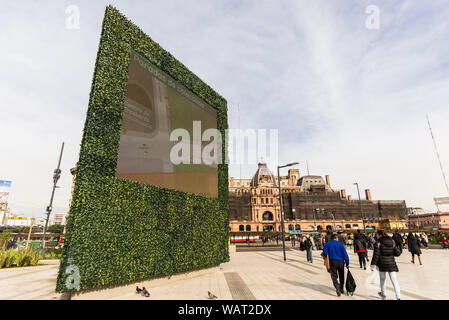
x=350, y=284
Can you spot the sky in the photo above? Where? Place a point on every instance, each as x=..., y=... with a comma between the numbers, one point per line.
x=350, y=100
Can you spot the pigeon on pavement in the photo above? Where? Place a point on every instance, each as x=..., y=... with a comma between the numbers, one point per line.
x=145, y=292
x=211, y=295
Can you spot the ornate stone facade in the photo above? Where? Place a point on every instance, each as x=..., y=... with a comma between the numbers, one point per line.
x=309, y=203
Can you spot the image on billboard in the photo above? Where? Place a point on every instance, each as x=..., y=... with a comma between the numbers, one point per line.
x=155, y=106
x=5, y=186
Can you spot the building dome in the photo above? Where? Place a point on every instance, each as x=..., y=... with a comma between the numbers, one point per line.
x=263, y=174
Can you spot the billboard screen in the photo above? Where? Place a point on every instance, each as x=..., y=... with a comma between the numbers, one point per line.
x=4, y=190
x=155, y=106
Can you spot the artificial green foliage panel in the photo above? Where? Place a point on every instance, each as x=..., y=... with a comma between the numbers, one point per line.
x=119, y=231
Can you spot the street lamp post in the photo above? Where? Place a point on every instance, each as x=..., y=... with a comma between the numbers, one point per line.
x=281, y=207
x=360, y=203
x=417, y=215
x=56, y=176
x=318, y=211
x=333, y=218
x=323, y=212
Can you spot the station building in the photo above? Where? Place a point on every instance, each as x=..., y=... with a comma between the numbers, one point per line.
x=309, y=203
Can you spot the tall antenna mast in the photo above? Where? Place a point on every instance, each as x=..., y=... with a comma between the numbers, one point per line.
x=240, y=156
x=438, y=155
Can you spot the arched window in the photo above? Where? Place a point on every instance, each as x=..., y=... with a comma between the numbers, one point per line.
x=248, y=228
x=267, y=216
x=290, y=227
x=347, y=226
x=297, y=227
x=241, y=228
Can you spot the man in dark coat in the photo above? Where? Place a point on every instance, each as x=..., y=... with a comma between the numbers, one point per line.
x=327, y=238
x=360, y=246
x=341, y=238
x=317, y=241
x=414, y=247
x=308, y=249
x=385, y=250
x=398, y=239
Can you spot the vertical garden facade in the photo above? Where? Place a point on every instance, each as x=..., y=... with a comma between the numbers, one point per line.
x=120, y=230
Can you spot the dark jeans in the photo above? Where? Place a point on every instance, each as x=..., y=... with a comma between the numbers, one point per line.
x=309, y=254
x=338, y=273
x=362, y=257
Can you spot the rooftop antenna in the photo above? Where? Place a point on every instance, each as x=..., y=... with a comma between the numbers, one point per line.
x=240, y=156
x=438, y=155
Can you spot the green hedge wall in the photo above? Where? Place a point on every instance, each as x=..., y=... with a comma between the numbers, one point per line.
x=119, y=231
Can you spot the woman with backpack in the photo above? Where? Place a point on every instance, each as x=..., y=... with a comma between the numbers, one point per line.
x=414, y=247
x=385, y=251
x=308, y=249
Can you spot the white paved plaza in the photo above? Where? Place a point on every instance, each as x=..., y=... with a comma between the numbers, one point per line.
x=253, y=275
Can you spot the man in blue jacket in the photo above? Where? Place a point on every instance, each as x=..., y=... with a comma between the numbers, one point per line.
x=338, y=258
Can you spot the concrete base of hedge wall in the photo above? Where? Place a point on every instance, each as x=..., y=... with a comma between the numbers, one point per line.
x=121, y=292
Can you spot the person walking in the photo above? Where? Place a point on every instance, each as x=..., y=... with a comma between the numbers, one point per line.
x=423, y=239
x=385, y=251
x=413, y=247
x=398, y=239
x=350, y=241
x=301, y=244
x=327, y=238
x=316, y=241
x=312, y=241
x=426, y=239
x=308, y=248
x=360, y=247
x=341, y=238
x=445, y=242
x=338, y=257
x=371, y=241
